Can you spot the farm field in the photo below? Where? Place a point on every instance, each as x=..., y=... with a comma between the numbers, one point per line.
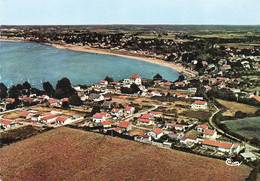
x=247, y=127
x=233, y=107
x=70, y=154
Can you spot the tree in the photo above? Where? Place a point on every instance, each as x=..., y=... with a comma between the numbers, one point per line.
x=109, y=79
x=135, y=88
x=257, y=113
x=75, y=100
x=27, y=85
x=240, y=114
x=64, y=88
x=14, y=92
x=3, y=90
x=48, y=88
x=157, y=77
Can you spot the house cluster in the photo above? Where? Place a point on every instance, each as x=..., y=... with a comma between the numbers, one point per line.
x=37, y=118
x=178, y=135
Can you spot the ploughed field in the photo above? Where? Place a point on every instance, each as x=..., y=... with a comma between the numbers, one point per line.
x=70, y=154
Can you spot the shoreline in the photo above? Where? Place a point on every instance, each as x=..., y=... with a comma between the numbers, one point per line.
x=120, y=53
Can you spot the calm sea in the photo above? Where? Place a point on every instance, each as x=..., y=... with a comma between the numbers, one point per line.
x=36, y=63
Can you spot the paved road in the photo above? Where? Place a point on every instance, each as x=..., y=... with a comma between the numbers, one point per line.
x=140, y=113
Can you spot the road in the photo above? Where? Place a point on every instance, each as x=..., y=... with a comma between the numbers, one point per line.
x=211, y=122
x=140, y=113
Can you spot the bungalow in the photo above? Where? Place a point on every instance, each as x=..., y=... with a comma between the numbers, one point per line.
x=199, y=105
x=225, y=147
x=103, y=82
x=201, y=127
x=102, y=116
x=189, y=140
x=129, y=110
x=136, y=79
x=209, y=134
x=62, y=119
x=53, y=102
x=181, y=96
x=49, y=118
x=117, y=112
x=6, y=123
x=146, y=119
x=124, y=125
x=106, y=124
x=156, y=133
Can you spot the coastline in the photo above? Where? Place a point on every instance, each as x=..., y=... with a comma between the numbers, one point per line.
x=126, y=54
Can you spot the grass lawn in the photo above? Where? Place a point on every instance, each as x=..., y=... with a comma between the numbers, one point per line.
x=248, y=127
x=233, y=107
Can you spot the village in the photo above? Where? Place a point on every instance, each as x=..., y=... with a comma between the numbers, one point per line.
x=165, y=114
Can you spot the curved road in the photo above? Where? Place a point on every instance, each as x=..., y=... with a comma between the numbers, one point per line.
x=211, y=122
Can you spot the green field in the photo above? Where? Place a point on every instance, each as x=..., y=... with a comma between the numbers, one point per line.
x=247, y=127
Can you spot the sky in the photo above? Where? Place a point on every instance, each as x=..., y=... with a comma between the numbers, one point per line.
x=74, y=12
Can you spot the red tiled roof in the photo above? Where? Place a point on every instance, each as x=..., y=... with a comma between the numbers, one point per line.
x=257, y=98
x=218, y=144
x=128, y=108
x=24, y=113
x=200, y=102
x=208, y=132
x=202, y=126
x=157, y=131
x=5, y=122
x=144, y=120
x=135, y=76
x=101, y=115
x=106, y=123
x=123, y=124
x=48, y=117
x=52, y=101
x=146, y=116
x=61, y=119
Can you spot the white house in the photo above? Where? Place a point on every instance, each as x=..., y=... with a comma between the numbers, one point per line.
x=102, y=116
x=225, y=147
x=129, y=110
x=156, y=133
x=201, y=127
x=49, y=118
x=117, y=112
x=106, y=124
x=63, y=119
x=5, y=123
x=136, y=79
x=209, y=134
x=199, y=105
x=146, y=119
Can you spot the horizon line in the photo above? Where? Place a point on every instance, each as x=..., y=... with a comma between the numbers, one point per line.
x=130, y=24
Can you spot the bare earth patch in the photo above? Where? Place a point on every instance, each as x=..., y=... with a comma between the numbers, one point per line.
x=69, y=154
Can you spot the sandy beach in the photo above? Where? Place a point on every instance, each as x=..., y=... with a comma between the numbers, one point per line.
x=126, y=54
x=121, y=53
